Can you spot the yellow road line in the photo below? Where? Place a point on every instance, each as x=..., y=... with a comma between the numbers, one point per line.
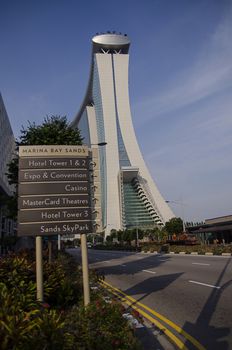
x=194, y=341
x=169, y=334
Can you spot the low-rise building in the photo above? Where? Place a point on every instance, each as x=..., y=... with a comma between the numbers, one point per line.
x=213, y=230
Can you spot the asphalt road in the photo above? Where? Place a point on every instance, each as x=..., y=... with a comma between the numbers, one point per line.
x=195, y=292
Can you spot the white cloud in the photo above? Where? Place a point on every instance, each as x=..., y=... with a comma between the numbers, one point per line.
x=211, y=73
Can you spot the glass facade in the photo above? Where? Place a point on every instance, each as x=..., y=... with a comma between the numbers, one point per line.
x=84, y=127
x=7, y=147
x=135, y=211
x=123, y=157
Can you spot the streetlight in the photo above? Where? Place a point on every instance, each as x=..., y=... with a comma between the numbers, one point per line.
x=84, y=255
x=182, y=206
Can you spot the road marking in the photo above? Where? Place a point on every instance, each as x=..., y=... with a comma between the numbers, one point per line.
x=134, y=304
x=169, y=334
x=123, y=265
x=205, y=284
x=200, y=264
x=149, y=271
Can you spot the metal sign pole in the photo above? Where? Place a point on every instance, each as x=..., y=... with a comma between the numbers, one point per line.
x=39, y=268
x=59, y=242
x=85, y=269
x=49, y=252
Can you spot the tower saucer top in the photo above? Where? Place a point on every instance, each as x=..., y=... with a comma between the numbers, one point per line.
x=111, y=41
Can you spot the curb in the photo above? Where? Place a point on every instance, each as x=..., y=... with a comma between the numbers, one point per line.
x=184, y=253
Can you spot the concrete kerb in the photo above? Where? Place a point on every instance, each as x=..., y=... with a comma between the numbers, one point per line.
x=184, y=253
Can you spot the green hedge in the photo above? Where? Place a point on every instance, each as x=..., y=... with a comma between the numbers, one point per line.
x=116, y=247
x=200, y=249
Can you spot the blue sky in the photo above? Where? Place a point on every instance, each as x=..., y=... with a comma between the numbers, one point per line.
x=180, y=83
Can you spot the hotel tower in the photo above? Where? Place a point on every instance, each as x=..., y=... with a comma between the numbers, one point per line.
x=128, y=196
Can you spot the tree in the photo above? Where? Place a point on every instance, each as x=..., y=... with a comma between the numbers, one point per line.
x=174, y=225
x=155, y=234
x=55, y=130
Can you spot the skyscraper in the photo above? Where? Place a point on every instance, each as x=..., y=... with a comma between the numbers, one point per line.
x=7, y=147
x=129, y=197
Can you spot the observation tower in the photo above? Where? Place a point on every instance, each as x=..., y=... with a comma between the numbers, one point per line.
x=128, y=196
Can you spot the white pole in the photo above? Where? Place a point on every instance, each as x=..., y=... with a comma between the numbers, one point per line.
x=85, y=269
x=137, y=237
x=183, y=214
x=39, y=268
x=49, y=252
x=59, y=245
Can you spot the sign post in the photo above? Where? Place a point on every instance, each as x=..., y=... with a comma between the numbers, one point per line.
x=55, y=199
x=39, y=268
x=85, y=270
x=59, y=243
x=49, y=252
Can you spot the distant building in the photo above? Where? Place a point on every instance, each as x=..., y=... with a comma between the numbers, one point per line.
x=219, y=228
x=129, y=197
x=7, y=147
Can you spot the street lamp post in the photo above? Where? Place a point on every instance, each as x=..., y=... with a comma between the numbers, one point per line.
x=137, y=237
x=84, y=256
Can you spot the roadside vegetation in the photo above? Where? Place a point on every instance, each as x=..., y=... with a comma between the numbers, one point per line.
x=169, y=238
x=61, y=321
x=198, y=248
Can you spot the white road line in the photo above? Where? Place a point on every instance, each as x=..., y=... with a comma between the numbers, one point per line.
x=149, y=271
x=123, y=265
x=205, y=284
x=200, y=264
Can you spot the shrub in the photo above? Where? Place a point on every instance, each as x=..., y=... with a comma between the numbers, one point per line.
x=100, y=326
x=62, y=282
x=165, y=248
x=26, y=324
x=14, y=319
x=145, y=249
x=18, y=275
